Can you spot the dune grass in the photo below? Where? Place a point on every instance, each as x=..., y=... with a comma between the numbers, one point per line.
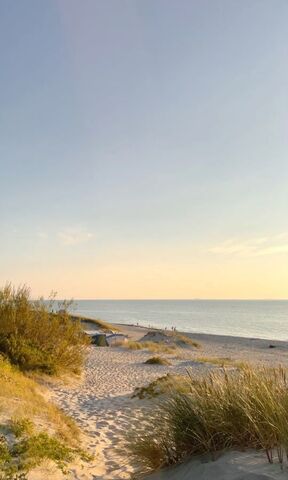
x=104, y=326
x=157, y=361
x=153, y=347
x=163, y=386
x=22, y=400
x=221, y=361
x=37, y=430
x=236, y=410
x=174, y=337
x=185, y=340
x=35, y=341
x=175, y=349
x=34, y=338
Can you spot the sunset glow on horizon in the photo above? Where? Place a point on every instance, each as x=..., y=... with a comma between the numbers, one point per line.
x=144, y=149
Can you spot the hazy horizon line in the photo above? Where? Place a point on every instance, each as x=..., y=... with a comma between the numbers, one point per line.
x=176, y=299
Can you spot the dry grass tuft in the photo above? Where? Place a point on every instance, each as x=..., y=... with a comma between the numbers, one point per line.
x=104, y=326
x=150, y=346
x=221, y=361
x=184, y=340
x=157, y=361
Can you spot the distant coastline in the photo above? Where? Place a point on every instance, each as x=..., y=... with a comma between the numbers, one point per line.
x=240, y=318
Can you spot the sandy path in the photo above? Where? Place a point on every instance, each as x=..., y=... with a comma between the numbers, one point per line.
x=102, y=406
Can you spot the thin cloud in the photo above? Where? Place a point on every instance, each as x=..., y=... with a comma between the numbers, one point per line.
x=42, y=235
x=74, y=236
x=259, y=246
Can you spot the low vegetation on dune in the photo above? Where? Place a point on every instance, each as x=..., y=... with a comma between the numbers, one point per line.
x=31, y=429
x=181, y=339
x=103, y=326
x=170, y=343
x=170, y=338
x=153, y=347
x=29, y=451
x=240, y=409
x=157, y=361
x=21, y=396
x=163, y=386
x=35, y=338
x=221, y=361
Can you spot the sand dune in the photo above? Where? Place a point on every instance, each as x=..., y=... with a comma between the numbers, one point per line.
x=231, y=466
x=101, y=404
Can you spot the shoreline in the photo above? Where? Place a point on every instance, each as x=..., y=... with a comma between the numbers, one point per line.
x=228, y=348
x=199, y=335
x=207, y=336
x=233, y=317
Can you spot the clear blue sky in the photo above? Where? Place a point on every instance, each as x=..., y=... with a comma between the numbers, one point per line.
x=143, y=147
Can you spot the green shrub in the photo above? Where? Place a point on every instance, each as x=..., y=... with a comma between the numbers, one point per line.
x=243, y=409
x=26, y=355
x=34, y=338
x=31, y=450
x=36, y=448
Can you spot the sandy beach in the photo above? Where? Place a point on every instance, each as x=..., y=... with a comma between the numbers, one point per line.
x=102, y=406
x=254, y=350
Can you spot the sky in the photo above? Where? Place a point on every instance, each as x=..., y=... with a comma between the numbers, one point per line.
x=143, y=148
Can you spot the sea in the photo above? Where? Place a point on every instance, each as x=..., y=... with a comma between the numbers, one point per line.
x=266, y=319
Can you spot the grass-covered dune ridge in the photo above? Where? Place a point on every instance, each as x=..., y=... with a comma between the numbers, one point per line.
x=96, y=322
x=152, y=347
x=32, y=430
x=240, y=409
x=34, y=338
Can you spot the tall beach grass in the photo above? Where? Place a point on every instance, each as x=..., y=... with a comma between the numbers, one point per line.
x=241, y=409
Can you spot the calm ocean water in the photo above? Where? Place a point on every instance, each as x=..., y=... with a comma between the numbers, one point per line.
x=255, y=318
